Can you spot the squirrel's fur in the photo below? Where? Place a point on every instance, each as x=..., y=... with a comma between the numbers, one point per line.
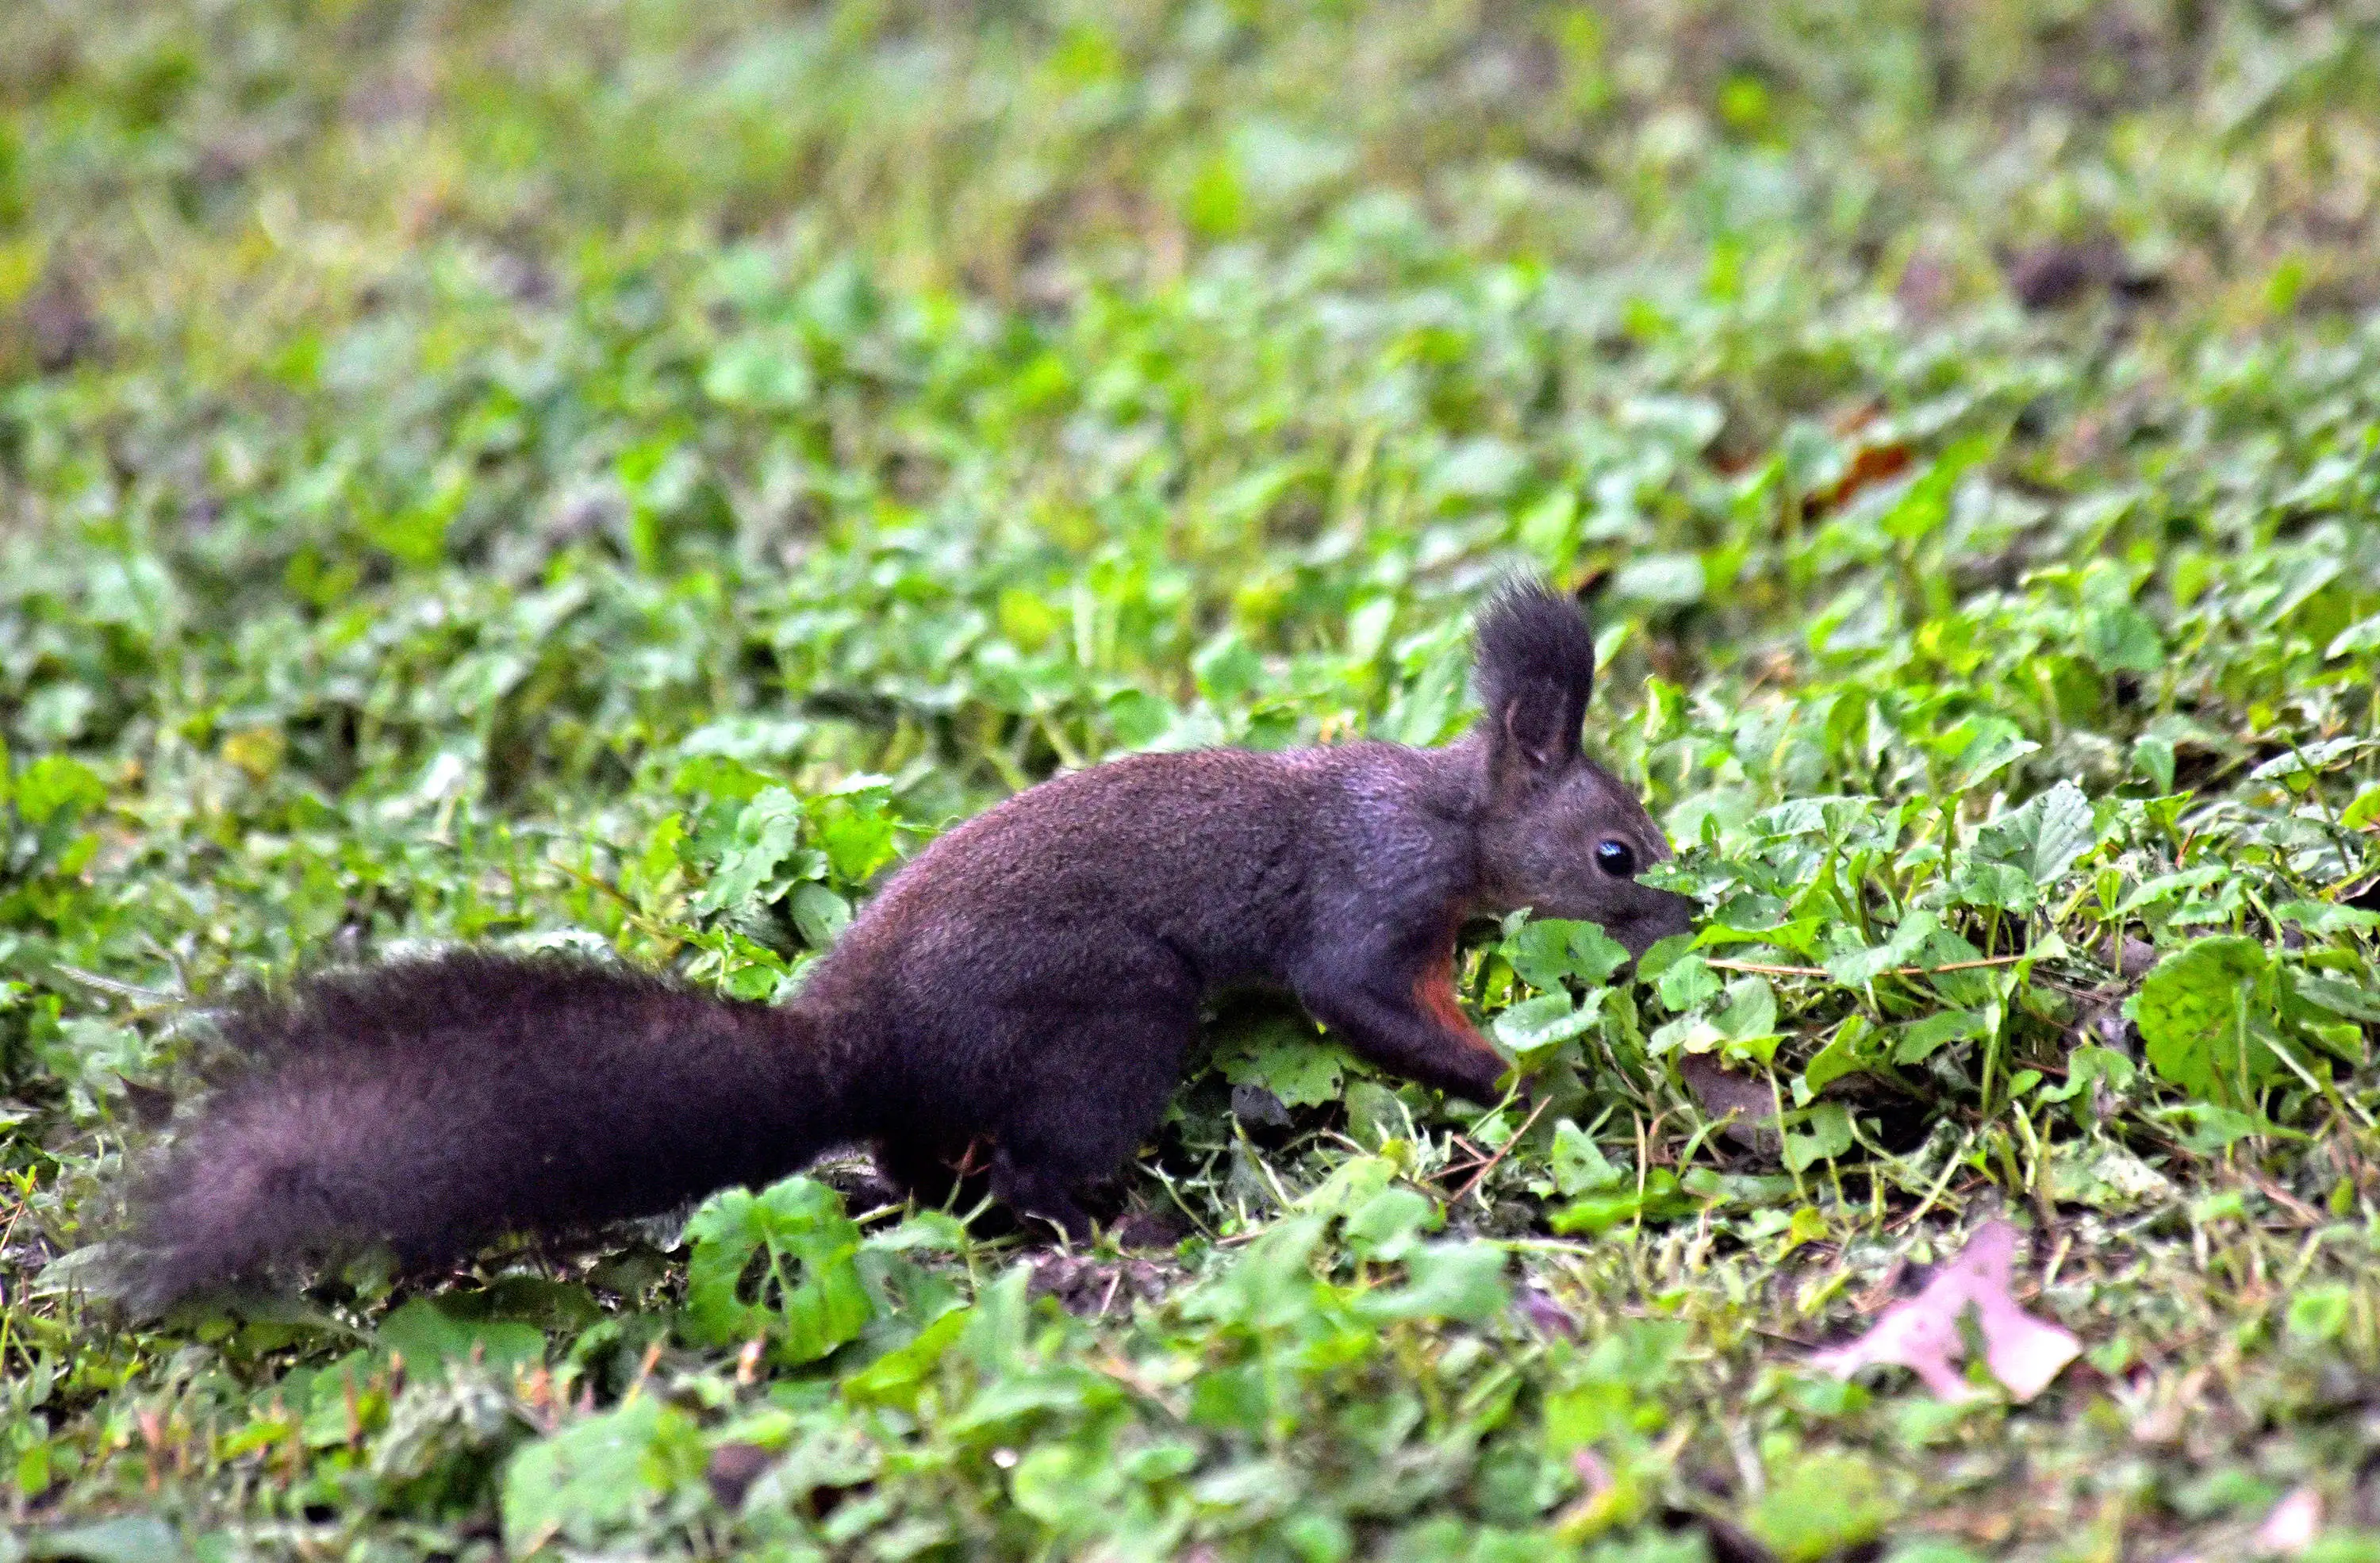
x=1025, y=988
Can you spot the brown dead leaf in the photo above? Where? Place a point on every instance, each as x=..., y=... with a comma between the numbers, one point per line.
x=1747, y=1107
x=731, y=1469
x=1869, y=465
x=2049, y=275
x=1922, y=1333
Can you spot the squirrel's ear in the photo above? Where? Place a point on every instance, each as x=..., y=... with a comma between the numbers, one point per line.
x=1538, y=728
x=1537, y=669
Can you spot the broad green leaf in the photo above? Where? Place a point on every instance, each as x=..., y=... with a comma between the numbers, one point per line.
x=2043, y=839
x=1667, y=580
x=856, y=832
x=759, y=373
x=819, y=913
x=1857, y=968
x=1819, y=1505
x=2120, y=638
x=1825, y=1134
x=1855, y=1047
x=54, y=784
x=898, y=1377
x=1547, y=949
x=429, y=1340
x=599, y=1475
x=775, y=1266
x=1286, y=1058
x=1463, y=1281
x=1658, y=1199
x=2322, y=1312
x=2203, y=1013
x=1536, y=1025
x=127, y=1538
x=1921, y=1039
x=1579, y=1165
x=1388, y=1225
x=767, y=832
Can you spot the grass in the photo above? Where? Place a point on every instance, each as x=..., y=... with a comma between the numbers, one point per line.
x=468, y=469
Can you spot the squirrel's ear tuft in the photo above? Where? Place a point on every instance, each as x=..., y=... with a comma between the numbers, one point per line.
x=1535, y=671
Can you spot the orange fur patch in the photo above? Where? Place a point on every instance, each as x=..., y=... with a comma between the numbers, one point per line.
x=1434, y=992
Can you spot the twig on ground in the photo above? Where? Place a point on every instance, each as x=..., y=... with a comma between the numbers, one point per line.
x=1501, y=1151
x=1762, y=968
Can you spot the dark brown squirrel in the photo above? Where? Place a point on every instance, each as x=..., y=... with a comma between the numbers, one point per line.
x=1030, y=982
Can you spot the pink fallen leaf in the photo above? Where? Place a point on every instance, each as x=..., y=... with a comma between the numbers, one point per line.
x=1920, y=1333
x=2292, y=1525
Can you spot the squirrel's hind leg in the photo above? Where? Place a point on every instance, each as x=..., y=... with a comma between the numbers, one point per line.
x=934, y=1176
x=1038, y=1193
x=1096, y=1084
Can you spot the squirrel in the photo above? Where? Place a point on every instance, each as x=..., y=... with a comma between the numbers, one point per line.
x=1030, y=981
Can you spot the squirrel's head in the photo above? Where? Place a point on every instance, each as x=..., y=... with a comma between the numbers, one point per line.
x=1559, y=834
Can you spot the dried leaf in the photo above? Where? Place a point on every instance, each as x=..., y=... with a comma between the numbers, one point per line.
x=1749, y=1106
x=2292, y=1525
x=1920, y=1333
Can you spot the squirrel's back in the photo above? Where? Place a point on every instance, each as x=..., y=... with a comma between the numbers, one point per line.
x=1213, y=853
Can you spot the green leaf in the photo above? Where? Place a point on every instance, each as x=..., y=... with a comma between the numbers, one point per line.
x=856, y=830
x=1288, y=1059
x=2322, y=1312
x=2120, y=638
x=429, y=1340
x=819, y=913
x=1672, y=580
x=767, y=833
x=1658, y=1199
x=1533, y=1026
x=127, y=1538
x=1547, y=949
x=1857, y=968
x=2201, y=1012
x=54, y=784
x=1920, y=1040
x=899, y=1376
x=1855, y=1048
x=600, y=1474
x=2152, y=757
x=2086, y=1067
x=1820, y=1504
x=2105, y=1176
x=1687, y=982
x=2355, y=1000
x=2362, y=636
x=1388, y=1225
x=1750, y=1012
x=759, y=373
x=1925, y=505
x=1825, y=1134
x=1579, y=1164
x=1610, y=1396
x=1982, y=746
x=2326, y=917
x=776, y=1265
x=2043, y=839
x=2209, y=1130
x=1463, y=1281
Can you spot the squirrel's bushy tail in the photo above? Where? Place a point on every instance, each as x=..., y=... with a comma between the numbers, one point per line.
x=431, y=1104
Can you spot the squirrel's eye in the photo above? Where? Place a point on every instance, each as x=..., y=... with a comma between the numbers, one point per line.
x=1616, y=858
